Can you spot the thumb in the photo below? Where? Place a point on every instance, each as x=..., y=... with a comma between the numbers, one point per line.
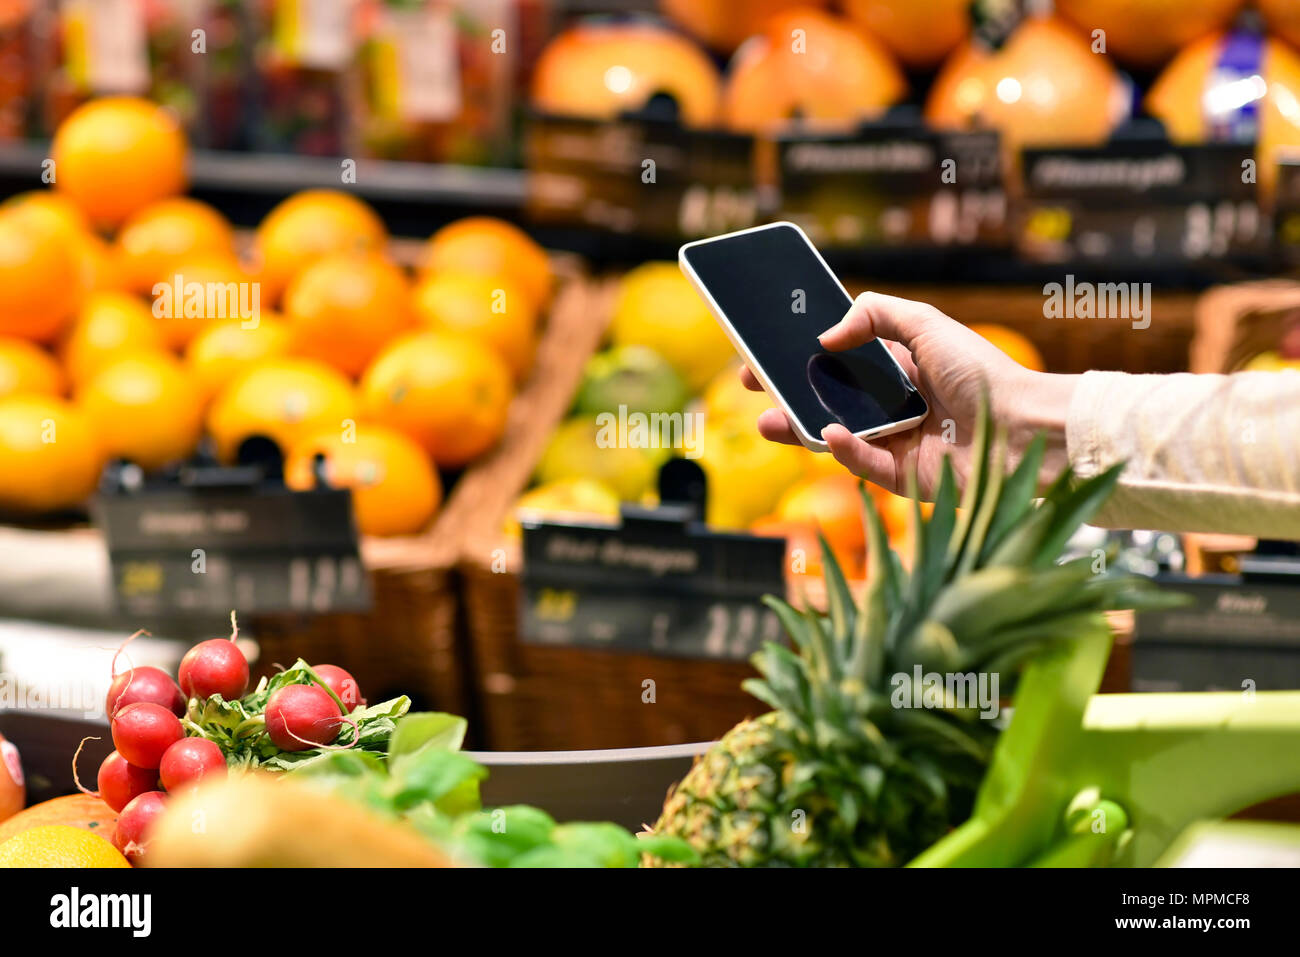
x=874, y=315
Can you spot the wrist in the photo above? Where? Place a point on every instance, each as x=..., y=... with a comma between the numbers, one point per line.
x=1039, y=403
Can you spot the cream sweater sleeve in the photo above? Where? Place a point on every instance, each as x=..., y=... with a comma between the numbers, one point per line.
x=1205, y=453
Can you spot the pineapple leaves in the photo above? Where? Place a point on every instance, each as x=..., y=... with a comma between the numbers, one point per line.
x=839, y=599
x=974, y=482
x=1017, y=498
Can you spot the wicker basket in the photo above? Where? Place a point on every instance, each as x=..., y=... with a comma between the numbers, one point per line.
x=1236, y=323
x=410, y=642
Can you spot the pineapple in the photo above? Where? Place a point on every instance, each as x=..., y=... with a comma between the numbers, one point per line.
x=838, y=775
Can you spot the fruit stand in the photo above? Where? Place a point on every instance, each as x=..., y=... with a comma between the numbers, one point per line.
x=376, y=488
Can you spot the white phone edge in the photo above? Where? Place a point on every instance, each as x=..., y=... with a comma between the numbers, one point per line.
x=812, y=442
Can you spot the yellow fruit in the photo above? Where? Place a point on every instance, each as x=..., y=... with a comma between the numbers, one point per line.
x=726, y=398
x=395, y=491
x=1013, y=343
x=284, y=400
x=307, y=226
x=658, y=307
x=28, y=368
x=108, y=326
x=485, y=245
x=201, y=290
x=1270, y=361
x=345, y=307
x=49, y=454
x=580, y=500
x=224, y=350
x=447, y=392
x=41, y=274
x=59, y=845
x=159, y=237
x=99, y=268
x=747, y=474
x=144, y=407
x=491, y=309
x=581, y=449
x=116, y=155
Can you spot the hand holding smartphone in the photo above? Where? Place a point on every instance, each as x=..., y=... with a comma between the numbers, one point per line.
x=773, y=295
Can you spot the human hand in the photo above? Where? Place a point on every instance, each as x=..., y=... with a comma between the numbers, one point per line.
x=952, y=366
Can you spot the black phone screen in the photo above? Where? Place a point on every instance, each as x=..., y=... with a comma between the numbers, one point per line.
x=779, y=296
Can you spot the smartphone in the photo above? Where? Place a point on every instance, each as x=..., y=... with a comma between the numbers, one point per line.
x=773, y=294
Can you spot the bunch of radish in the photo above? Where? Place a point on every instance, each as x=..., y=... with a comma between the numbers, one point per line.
x=153, y=755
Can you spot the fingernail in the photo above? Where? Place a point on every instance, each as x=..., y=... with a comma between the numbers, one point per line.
x=824, y=431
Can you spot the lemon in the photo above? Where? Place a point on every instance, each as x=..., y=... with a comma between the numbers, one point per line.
x=657, y=307
x=566, y=500
x=582, y=448
x=59, y=845
x=747, y=474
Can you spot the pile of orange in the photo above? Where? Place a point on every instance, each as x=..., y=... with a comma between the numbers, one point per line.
x=131, y=326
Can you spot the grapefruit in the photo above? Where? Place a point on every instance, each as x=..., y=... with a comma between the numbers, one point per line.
x=145, y=408
x=49, y=454
x=1146, y=33
x=108, y=326
x=158, y=238
x=492, y=309
x=919, y=32
x=482, y=244
x=25, y=367
x=307, y=226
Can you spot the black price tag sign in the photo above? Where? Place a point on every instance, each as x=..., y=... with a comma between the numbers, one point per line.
x=649, y=177
x=1136, y=202
x=895, y=186
x=255, y=549
x=653, y=585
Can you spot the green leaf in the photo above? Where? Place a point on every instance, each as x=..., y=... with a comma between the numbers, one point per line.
x=420, y=730
x=673, y=850
x=1017, y=498
x=429, y=776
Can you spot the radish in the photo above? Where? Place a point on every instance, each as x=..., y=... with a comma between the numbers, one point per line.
x=342, y=684
x=299, y=717
x=144, y=683
x=132, y=831
x=143, y=731
x=190, y=760
x=216, y=666
x=121, y=782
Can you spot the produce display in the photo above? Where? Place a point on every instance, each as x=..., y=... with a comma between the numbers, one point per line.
x=166, y=342
x=520, y=583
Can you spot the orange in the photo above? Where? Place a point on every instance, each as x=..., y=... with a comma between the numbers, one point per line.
x=59, y=845
x=108, y=326
x=116, y=155
x=1044, y=87
x=1148, y=32
x=918, y=32
x=344, y=307
x=493, y=246
x=803, y=551
x=49, y=456
x=159, y=237
x=28, y=368
x=307, y=226
x=831, y=503
x=600, y=69
x=40, y=274
x=144, y=407
x=1283, y=19
x=725, y=24
x=51, y=202
x=395, y=490
x=284, y=400
x=75, y=810
x=447, y=392
x=224, y=350
x=1013, y=343
x=812, y=65
x=491, y=309
x=99, y=268
x=203, y=289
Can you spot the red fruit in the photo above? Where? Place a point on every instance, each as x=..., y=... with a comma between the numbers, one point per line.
x=131, y=836
x=145, y=683
x=341, y=683
x=190, y=760
x=121, y=782
x=143, y=731
x=299, y=717
x=215, y=666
